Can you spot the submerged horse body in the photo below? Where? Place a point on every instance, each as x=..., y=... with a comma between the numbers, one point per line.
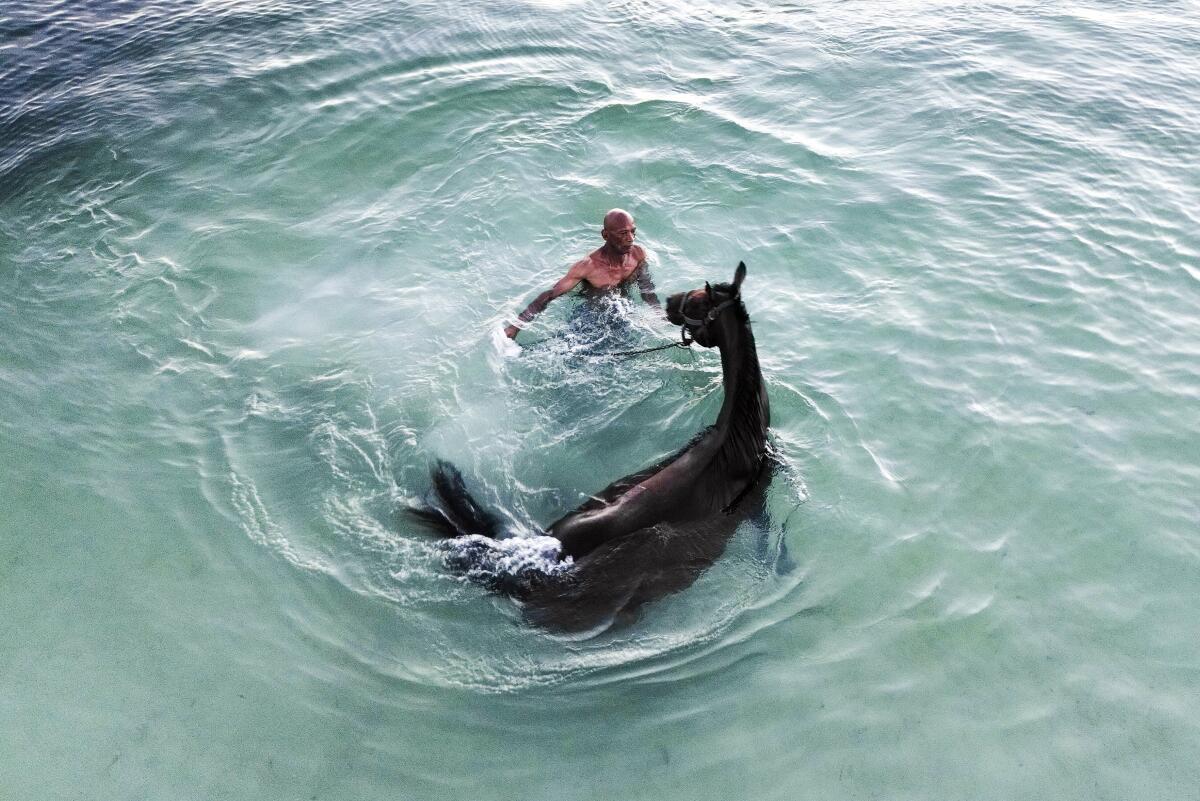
x=650, y=533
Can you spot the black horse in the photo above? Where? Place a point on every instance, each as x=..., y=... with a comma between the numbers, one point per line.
x=653, y=532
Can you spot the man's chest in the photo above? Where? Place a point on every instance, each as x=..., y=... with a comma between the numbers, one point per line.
x=607, y=276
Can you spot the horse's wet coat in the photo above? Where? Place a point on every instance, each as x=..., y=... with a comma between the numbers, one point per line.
x=650, y=533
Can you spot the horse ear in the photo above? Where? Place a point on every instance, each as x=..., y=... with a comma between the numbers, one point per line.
x=708, y=290
x=738, y=277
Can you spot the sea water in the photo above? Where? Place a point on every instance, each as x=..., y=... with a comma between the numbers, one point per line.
x=254, y=257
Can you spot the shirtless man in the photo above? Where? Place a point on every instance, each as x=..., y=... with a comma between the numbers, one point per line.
x=608, y=269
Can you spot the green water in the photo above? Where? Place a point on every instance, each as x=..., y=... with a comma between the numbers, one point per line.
x=253, y=258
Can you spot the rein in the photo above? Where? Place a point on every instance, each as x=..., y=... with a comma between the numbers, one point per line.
x=625, y=354
x=685, y=341
x=682, y=343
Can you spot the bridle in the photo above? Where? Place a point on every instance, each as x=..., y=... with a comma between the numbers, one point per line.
x=691, y=325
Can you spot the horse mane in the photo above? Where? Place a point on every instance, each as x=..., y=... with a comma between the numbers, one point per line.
x=749, y=416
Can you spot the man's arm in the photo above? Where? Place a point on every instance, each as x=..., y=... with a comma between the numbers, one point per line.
x=645, y=284
x=564, y=285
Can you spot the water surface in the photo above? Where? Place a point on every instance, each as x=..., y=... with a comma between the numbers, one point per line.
x=253, y=257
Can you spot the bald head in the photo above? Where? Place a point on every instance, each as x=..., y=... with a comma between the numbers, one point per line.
x=619, y=230
x=616, y=218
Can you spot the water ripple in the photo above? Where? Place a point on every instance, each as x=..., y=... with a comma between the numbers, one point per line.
x=253, y=258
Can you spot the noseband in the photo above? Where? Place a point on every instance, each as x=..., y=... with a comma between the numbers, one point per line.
x=691, y=325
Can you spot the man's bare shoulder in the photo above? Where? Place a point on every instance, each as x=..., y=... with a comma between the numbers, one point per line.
x=583, y=267
x=589, y=263
x=638, y=253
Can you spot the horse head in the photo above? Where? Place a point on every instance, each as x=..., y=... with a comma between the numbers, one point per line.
x=697, y=309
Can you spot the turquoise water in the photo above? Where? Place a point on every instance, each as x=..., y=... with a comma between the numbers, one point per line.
x=253, y=257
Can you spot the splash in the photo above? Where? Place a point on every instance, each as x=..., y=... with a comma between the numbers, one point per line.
x=518, y=559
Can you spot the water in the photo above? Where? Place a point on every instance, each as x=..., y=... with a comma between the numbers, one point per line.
x=252, y=260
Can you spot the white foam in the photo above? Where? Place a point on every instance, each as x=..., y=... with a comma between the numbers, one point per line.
x=503, y=345
x=516, y=556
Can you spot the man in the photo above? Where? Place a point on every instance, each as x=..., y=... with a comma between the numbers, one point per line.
x=611, y=268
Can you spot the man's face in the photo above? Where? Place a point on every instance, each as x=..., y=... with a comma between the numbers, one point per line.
x=620, y=234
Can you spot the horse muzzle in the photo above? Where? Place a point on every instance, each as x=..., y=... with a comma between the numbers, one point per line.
x=675, y=308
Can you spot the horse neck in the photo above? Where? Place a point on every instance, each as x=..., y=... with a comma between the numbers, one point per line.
x=745, y=415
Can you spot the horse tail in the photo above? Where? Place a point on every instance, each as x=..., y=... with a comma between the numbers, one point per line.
x=476, y=546
x=450, y=508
